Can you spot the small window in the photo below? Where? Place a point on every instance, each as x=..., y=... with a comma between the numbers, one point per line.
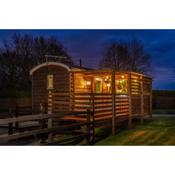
x=49, y=82
x=98, y=85
x=107, y=84
x=121, y=86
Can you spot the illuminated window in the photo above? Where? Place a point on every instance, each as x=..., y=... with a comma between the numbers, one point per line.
x=121, y=86
x=81, y=83
x=98, y=85
x=49, y=81
x=87, y=84
x=107, y=84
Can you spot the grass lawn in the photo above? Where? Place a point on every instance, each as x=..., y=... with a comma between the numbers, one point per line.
x=159, y=131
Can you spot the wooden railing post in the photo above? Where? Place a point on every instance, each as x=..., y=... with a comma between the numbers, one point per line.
x=141, y=100
x=10, y=125
x=42, y=121
x=16, y=115
x=113, y=104
x=130, y=101
x=151, y=99
x=49, y=125
x=90, y=127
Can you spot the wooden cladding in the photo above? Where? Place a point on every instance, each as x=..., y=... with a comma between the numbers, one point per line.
x=135, y=84
x=100, y=104
x=147, y=85
x=58, y=80
x=60, y=102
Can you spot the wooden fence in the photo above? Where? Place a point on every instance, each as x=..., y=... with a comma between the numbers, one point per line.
x=7, y=103
x=48, y=128
x=163, y=99
x=16, y=111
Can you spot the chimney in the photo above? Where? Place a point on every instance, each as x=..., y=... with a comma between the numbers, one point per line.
x=80, y=62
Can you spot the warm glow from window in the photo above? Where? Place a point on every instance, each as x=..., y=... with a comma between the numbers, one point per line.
x=122, y=76
x=98, y=79
x=108, y=85
x=88, y=83
x=121, y=86
x=49, y=82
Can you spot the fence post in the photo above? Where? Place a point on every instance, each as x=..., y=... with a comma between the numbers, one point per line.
x=16, y=115
x=151, y=99
x=42, y=122
x=10, y=125
x=49, y=125
x=130, y=101
x=90, y=127
x=142, y=100
x=113, y=104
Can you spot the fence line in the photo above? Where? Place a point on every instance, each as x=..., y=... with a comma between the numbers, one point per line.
x=50, y=129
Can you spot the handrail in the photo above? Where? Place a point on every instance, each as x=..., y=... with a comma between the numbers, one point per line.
x=39, y=117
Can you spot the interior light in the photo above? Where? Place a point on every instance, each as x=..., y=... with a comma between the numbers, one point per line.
x=88, y=83
x=108, y=85
x=98, y=79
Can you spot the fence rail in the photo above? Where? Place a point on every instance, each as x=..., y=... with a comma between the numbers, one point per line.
x=18, y=110
x=49, y=128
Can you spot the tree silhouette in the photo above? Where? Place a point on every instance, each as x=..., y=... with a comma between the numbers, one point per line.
x=126, y=56
x=20, y=54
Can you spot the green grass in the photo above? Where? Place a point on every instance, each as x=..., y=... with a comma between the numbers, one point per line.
x=160, y=131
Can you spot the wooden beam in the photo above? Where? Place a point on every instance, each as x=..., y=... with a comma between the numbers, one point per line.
x=151, y=99
x=141, y=99
x=24, y=118
x=49, y=125
x=113, y=104
x=57, y=129
x=130, y=101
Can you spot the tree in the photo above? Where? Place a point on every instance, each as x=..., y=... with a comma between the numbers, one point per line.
x=20, y=54
x=122, y=56
x=139, y=59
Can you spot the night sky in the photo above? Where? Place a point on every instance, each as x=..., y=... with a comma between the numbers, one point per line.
x=89, y=45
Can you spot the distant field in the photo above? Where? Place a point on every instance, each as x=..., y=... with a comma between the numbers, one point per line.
x=160, y=131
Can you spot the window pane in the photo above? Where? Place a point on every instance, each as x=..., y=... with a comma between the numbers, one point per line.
x=121, y=86
x=49, y=81
x=98, y=86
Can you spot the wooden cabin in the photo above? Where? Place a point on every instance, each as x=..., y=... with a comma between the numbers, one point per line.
x=58, y=87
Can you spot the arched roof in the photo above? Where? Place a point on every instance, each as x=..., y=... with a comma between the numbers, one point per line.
x=48, y=64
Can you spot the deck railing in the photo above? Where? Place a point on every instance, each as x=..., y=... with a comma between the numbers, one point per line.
x=101, y=104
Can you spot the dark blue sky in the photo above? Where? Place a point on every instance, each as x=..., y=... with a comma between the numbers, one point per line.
x=89, y=46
